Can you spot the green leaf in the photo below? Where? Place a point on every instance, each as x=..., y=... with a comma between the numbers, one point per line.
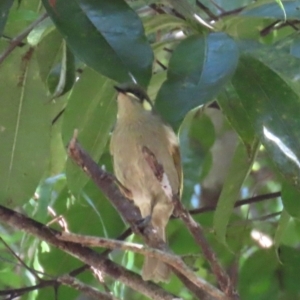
x=197, y=135
x=238, y=171
x=287, y=10
x=273, y=109
x=291, y=199
x=106, y=35
x=265, y=283
x=160, y=22
x=5, y=6
x=62, y=77
x=282, y=8
x=39, y=32
x=25, y=128
x=281, y=228
x=198, y=70
x=91, y=109
x=290, y=269
x=49, y=53
x=232, y=107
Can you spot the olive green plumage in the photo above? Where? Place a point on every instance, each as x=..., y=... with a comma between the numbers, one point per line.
x=138, y=126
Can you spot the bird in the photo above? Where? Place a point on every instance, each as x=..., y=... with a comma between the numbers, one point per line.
x=138, y=126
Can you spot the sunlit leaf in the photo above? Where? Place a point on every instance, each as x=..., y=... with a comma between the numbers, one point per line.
x=273, y=109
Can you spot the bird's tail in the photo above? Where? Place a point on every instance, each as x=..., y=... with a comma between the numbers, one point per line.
x=154, y=269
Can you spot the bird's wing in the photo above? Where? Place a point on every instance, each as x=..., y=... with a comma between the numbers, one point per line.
x=175, y=153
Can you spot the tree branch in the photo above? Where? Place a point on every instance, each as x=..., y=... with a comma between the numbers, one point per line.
x=195, y=229
x=85, y=289
x=171, y=259
x=65, y=280
x=238, y=203
x=107, y=184
x=84, y=254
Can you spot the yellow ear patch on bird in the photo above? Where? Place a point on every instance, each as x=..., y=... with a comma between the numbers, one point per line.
x=134, y=96
x=147, y=105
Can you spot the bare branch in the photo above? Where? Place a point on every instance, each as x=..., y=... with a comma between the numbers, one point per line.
x=171, y=259
x=82, y=287
x=65, y=280
x=197, y=232
x=195, y=229
x=84, y=254
x=238, y=203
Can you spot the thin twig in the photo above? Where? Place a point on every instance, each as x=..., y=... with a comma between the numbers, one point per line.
x=206, y=10
x=197, y=232
x=217, y=6
x=232, y=12
x=32, y=271
x=14, y=293
x=89, y=291
x=238, y=203
x=65, y=280
x=83, y=268
x=15, y=42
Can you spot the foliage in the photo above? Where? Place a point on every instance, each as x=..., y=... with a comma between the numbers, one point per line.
x=225, y=76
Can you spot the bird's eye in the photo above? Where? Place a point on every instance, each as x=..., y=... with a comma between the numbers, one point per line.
x=147, y=105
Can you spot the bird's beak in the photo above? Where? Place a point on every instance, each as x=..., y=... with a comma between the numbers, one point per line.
x=119, y=90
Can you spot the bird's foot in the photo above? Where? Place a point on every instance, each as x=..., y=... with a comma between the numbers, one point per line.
x=142, y=223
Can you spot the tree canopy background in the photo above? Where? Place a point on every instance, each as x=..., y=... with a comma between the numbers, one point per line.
x=224, y=74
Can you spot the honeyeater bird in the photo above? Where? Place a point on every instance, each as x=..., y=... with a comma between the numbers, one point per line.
x=138, y=126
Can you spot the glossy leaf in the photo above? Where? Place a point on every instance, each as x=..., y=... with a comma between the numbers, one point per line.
x=106, y=35
x=288, y=10
x=5, y=6
x=273, y=109
x=234, y=111
x=92, y=110
x=25, y=128
x=238, y=171
x=198, y=70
